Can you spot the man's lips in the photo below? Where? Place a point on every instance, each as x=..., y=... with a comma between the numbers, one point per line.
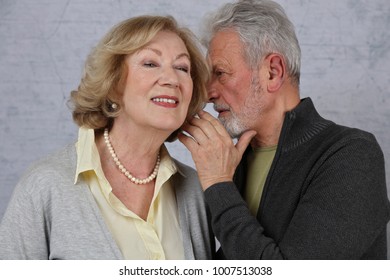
x=166, y=101
x=222, y=113
x=221, y=109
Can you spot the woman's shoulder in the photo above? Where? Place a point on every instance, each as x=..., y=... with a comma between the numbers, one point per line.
x=187, y=180
x=59, y=161
x=50, y=170
x=184, y=169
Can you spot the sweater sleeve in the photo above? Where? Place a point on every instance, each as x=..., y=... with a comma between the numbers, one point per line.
x=241, y=236
x=341, y=213
x=22, y=230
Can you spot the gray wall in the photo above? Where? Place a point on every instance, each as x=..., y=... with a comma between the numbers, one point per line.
x=43, y=45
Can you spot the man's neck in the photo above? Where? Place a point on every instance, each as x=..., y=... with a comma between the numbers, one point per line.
x=270, y=127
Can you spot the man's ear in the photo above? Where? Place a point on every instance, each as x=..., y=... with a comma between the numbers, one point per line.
x=276, y=71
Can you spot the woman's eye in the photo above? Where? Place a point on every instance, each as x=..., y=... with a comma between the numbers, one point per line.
x=150, y=64
x=182, y=68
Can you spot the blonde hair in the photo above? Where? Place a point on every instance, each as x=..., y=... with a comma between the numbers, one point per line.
x=105, y=68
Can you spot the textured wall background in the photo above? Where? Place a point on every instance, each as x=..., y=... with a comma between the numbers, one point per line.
x=43, y=45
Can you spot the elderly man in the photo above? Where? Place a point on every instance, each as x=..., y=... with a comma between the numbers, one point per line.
x=305, y=187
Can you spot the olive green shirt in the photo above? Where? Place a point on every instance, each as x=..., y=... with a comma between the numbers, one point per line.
x=259, y=164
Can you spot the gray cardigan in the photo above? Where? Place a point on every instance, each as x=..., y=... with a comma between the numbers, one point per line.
x=50, y=217
x=324, y=198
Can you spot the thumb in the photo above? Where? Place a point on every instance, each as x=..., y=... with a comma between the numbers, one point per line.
x=244, y=141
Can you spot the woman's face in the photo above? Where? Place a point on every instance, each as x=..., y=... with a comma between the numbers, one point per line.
x=158, y=87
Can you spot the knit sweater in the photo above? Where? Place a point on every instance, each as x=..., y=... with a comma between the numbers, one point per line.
x=324, y=198
x=50, y=217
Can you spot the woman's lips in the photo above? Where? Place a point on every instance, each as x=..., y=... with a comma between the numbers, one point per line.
x=166, y=101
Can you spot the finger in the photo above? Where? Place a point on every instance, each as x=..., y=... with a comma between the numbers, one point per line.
x=214, y=122
x=195, y=132
x=188, y=142
x=207, y=128
x=244, y=141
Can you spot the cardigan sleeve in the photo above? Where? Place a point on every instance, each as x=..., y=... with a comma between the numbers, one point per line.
x=22, y=230
x=341, y=213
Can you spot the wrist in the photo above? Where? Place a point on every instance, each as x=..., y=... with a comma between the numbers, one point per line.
x=211, y=182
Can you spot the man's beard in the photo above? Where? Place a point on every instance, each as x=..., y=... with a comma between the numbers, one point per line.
x=237, y=123
x=233, y=125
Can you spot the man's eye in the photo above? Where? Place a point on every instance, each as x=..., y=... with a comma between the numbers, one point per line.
x=218, y=73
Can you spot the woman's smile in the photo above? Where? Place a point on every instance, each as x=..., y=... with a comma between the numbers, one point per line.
x=166, y=101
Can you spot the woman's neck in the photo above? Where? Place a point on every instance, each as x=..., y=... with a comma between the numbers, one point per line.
x=136, y=148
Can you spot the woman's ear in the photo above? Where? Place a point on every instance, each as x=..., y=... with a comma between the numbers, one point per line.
x=276, y=71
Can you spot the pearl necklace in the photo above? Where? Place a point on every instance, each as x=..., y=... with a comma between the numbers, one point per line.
x=133, y=179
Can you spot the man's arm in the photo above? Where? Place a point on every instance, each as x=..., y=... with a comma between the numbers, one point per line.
x=342, y=213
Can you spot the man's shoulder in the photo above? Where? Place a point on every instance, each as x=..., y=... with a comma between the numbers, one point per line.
x=346, y=134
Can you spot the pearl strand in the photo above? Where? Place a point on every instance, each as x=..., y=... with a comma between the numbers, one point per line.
x=133, y=179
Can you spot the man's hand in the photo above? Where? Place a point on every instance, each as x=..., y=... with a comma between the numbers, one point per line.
x=212, y=149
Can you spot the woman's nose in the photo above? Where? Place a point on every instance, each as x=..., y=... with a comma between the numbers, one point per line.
x=169, y=77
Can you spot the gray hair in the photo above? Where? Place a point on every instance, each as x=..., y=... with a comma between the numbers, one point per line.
x=263, y=27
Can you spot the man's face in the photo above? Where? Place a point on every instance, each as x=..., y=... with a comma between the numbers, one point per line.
x=234, y=87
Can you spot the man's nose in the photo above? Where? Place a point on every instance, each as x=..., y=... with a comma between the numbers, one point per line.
x=212, y=92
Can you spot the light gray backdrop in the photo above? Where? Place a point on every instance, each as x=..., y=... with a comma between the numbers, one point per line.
x=43, y=45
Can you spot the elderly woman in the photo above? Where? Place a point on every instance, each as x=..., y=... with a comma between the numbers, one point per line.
x=117, y=193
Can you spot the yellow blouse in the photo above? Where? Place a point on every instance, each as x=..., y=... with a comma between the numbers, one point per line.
x=159, y=237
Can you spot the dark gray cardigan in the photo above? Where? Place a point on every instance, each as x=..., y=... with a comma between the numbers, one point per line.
x=324, y=198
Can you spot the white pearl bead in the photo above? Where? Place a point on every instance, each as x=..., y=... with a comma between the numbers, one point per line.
x=124, y=170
